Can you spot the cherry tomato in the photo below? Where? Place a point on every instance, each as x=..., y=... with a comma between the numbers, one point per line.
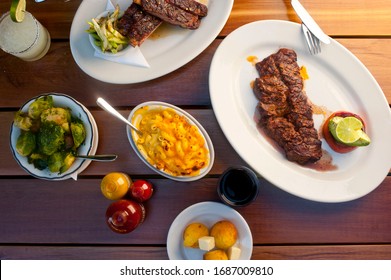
x=141, y=190
x=334, y=144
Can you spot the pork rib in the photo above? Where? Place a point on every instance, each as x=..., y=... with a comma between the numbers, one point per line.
x=191, y=6
x=185, y=13
x=137, y=25
x=285, y=113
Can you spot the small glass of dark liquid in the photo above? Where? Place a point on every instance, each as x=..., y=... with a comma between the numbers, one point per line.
x=238, y=186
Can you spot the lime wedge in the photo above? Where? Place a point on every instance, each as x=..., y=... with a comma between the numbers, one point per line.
x=362, y=141
x=18, y=7
x=348, y=131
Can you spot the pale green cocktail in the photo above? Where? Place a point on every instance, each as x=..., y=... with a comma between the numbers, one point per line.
x=28, y=40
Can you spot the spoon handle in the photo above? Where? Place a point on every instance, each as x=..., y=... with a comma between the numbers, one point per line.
x=108, y=108
x=99, y=157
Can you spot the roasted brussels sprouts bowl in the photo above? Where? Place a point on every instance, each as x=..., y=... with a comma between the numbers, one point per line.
x=46, y=134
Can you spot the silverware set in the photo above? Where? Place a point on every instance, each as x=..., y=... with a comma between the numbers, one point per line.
x=313, y=34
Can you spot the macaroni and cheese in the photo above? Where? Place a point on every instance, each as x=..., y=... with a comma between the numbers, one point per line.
x=170, y=142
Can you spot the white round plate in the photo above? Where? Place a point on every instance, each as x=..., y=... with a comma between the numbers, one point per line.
x=164, y=54
x=208, y=142
x=207, y=213
x=87, y=148
x=338, y=81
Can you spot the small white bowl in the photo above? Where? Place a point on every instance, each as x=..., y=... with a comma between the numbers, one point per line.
x=99, y=50
x=87, y=148
x=132, y=135
x=208, y=213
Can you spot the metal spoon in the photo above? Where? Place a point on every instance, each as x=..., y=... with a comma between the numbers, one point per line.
x=98, y=157
x=108, y=108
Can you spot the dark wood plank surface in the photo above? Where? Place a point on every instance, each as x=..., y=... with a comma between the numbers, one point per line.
x=187, y=86
x=275, y=218
x=65, y=220
x=124, y=252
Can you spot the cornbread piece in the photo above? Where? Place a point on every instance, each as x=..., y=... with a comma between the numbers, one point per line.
x=215, y=255
x=192, y=233
x=285, y=113
x=137, y=25
x=225, y=234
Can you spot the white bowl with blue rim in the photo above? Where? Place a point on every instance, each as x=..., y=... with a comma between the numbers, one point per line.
x=88, y=147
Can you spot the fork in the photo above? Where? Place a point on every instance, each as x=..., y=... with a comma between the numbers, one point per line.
x=313, y=42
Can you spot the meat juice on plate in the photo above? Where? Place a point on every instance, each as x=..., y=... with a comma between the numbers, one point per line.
x=325, y=163
x=163, y=31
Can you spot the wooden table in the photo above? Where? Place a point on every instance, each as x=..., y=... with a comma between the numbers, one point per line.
x=65, y=220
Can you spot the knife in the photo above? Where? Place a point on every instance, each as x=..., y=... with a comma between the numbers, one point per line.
x=309, y=22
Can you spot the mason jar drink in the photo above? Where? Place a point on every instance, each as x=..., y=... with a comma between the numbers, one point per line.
x=28, y=39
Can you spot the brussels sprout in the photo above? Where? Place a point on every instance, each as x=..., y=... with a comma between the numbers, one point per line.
x=38, y=160
x=50, y=138
x=66, y=128
x=25, y=144
x=60, y=161
x=35, y=156
x=39, y=105
x=78, y=133
x=56, y=161
x=68, y=161
x=22, y=121
x=58, y=116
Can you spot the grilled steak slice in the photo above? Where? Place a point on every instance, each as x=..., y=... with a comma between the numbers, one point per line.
x=285, y=113
x=182, y=13
x=137, y=25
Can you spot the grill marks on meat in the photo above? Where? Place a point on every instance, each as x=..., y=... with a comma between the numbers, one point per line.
x=137, y=25
x=170, y=13
x=185, y=13
x=143, y=17
x=285, y=113
x=190, y=6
